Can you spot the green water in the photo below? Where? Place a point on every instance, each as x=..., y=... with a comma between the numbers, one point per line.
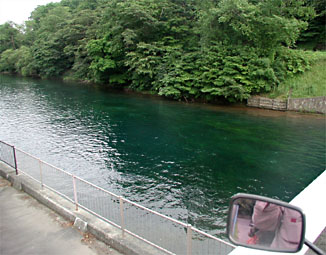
x=184, y=160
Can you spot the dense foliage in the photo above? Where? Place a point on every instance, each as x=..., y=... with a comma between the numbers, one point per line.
x=315, y=35
x=182, y=49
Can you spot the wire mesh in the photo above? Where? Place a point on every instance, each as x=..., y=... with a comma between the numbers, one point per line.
x=156, y=228
x=28, y=164
x=57, y=180
x=46, y=174
x=7, y=154
x=99, y=201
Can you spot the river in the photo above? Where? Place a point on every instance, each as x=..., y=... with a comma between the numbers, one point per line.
x=183, y=160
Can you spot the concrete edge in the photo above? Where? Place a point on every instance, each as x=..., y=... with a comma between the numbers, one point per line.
x=314, y=105
x=102, y=230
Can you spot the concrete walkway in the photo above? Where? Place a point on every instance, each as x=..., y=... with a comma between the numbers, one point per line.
x=29, y=228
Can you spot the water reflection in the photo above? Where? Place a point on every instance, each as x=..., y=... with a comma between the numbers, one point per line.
x=182, y=160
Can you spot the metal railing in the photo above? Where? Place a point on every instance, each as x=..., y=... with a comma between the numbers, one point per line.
x=163, y=232
x=8, y=155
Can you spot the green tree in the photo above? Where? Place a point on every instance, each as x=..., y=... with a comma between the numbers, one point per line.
x=264, y=25
x=10, y=36
x=48, y=50
x=8, y=60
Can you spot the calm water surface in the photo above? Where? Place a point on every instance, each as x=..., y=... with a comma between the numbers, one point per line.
x=183, y=160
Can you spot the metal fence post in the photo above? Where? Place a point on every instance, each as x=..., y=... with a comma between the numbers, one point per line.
x=15, y=159
x=122, y=218
x=41, y=173
x=75, y=191
x=189, y=239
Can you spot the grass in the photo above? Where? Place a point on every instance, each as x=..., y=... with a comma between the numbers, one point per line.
x=311, y=83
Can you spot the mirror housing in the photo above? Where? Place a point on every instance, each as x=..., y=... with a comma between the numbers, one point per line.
x=266, y=224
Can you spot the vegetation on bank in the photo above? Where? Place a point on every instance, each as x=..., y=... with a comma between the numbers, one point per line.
x=182, y=49
x=310, y=84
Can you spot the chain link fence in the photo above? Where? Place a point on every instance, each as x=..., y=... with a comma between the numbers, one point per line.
x=165, y=233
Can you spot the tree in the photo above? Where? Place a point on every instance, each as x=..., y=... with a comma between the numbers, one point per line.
x=10, y=36
x=264, y=25
x=315, y=35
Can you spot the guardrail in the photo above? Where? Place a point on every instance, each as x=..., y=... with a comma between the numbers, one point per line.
x=163, y=232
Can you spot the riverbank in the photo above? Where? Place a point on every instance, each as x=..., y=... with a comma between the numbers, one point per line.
x=315, y=105
x=309, y=84
x=308, y=105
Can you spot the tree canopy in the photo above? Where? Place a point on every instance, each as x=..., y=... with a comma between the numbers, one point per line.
x=182, y=49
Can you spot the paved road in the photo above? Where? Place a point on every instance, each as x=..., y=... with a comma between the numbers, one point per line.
x=29, y=228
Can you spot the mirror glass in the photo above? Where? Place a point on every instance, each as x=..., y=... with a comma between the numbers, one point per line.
x=265, y=225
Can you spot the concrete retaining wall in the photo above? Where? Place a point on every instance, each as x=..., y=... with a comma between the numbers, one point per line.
x=315, y=104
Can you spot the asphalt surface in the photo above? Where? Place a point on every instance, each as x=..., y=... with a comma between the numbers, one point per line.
x=29, y=228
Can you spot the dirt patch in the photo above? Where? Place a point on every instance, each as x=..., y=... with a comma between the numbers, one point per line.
x=88, y=238
x=67, y=224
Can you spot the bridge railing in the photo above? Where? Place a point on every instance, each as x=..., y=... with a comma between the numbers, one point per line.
x=163, y=232
x=7, y=155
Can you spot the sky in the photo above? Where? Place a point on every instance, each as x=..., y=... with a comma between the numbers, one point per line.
x=19, y=11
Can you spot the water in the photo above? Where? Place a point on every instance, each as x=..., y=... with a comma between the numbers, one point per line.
x=183, y=160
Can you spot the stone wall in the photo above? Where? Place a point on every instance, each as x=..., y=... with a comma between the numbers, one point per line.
x=267, y=103
x=315, y=105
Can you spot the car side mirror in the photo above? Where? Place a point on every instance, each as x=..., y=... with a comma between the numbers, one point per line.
x=267, y=224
